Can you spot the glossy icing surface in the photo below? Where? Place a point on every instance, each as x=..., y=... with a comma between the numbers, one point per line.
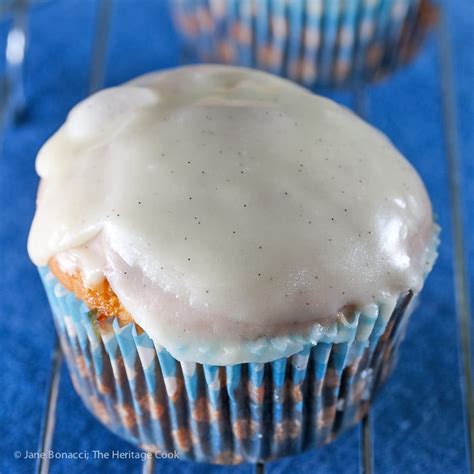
x=231, y=211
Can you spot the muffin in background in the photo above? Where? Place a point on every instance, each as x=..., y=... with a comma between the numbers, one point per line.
x=231, y=261
x=318, y=43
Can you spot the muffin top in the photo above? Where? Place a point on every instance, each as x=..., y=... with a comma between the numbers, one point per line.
x=235, y=215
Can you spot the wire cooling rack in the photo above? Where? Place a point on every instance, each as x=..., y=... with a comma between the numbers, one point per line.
x=12, y=104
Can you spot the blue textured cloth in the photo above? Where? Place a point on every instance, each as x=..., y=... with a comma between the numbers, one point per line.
x=418, y=415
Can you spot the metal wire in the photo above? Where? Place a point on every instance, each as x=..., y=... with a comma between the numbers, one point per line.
x=15, y=57
x=95, y=82
x=99, y=51
x=366, y=445
x=11, y=84
x=461, y=285
x=49, y=413
x=148, y=465
x=360, y=101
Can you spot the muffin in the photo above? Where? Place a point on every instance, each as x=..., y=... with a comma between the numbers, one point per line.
x=230, y=259
x=316, y=42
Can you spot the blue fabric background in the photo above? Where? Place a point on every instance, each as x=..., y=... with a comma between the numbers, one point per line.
x=419, y=420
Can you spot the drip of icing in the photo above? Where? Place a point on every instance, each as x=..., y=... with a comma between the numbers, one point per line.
x=227, y=207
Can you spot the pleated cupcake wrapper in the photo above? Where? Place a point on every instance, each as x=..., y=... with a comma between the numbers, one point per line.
x=223, y=414
x=322, y=43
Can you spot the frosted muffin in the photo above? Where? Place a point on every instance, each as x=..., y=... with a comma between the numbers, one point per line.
x=230, y=260
x=316, y=42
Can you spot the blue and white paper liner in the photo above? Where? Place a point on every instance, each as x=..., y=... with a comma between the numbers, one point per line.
x=222, y=414
x=319, y=43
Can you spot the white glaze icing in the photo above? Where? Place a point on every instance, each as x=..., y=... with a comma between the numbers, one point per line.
x=235, y=215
